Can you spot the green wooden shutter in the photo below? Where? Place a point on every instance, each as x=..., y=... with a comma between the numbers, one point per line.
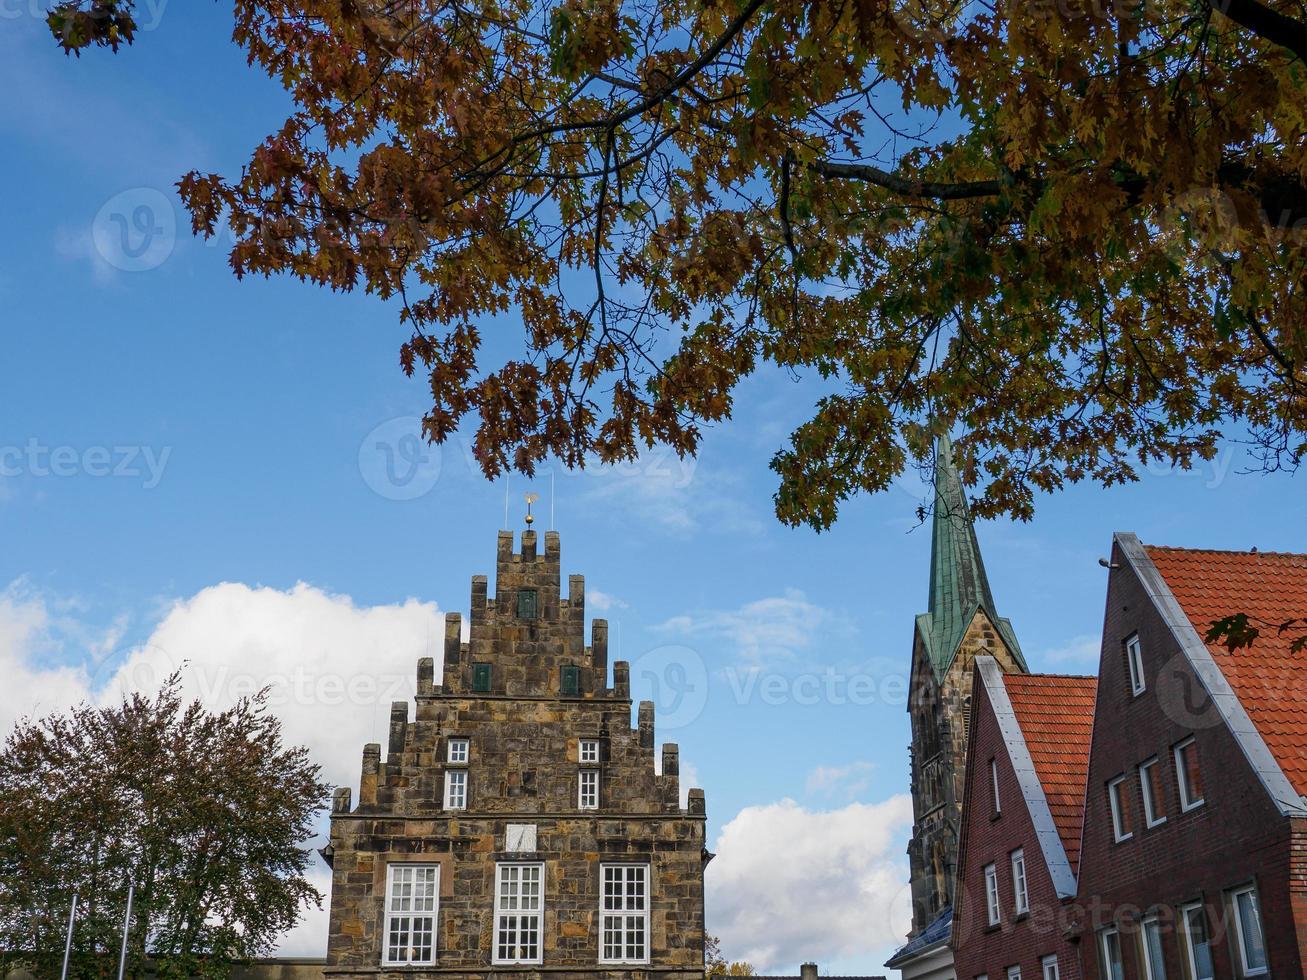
x=481, y=678
x=570, y=682
x=526, y=604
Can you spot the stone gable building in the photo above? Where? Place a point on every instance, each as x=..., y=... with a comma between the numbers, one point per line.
x=961, y=624
x=517, y=826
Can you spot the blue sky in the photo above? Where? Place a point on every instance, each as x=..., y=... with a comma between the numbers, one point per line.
x=167, y=429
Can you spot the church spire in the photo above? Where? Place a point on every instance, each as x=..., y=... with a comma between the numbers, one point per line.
x=958, y=583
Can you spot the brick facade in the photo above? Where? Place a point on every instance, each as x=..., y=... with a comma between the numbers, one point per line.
x=1237, y=837
x=994, y=830
x=523, y=692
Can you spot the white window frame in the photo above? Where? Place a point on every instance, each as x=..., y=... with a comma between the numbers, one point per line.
x=455, y=779
x=1248, y=971
x=1108, y=973
x=1187, y=802
x=624, y=911
x=457, y=751
x=1050, y=968
x=1135, y=661
x=390, y=914
x=518, y=911
x=1014, y=973
x=1114, y=790
x=1150, y=926
x=994, y=905
x=588, y=751
x=1020, y=887
x=1151, y=819
x=993, y=782
x=1190, y=957
x=587, y=789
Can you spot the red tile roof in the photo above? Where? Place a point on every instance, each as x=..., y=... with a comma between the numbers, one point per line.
x=1267, y=677
x=1056, y=714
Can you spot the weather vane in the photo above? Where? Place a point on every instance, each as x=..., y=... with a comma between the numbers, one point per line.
x=531, y=498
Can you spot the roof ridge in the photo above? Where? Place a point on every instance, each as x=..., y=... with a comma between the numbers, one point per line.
x=1246, y=552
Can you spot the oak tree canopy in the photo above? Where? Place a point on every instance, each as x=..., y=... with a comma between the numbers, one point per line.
x=1073, y=228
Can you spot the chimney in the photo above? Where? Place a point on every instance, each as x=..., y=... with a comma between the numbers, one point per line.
x=808, y=971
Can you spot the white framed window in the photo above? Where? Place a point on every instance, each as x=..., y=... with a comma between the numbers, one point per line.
x=1154, y=959
x=991, y=895
x=589, y=750
x=412, y=904
x=1109, y=949
x=1248, y=929
x=1021, y=892
x=1014, y=973
x=457, y=751
x=519, y=911
x=1120, y=804
x=588, y=789
x=1150, y=787
x=1197, y=943
x=624, y=914
x=993, y=785
x=455, y=789
x=1135, y=661
x=1050, y=968
x=1187, y=774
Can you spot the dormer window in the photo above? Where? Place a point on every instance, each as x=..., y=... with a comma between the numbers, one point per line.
x=527, y=604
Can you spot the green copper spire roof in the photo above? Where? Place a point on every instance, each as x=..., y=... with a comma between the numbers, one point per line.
x=958, y=583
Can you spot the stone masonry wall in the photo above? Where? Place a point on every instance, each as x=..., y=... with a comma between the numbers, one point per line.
x=524, y=736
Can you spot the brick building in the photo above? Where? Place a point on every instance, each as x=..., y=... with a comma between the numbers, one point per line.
x=1023, y=809
x=1195, y=845
x=961, y=624
x=517, y=827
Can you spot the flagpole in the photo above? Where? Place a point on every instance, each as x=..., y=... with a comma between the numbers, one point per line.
x=127, y=928
x=68, y=943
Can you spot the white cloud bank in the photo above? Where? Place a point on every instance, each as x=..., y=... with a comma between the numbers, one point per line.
x=791, y=884
x=333, y=668
x=765, y=632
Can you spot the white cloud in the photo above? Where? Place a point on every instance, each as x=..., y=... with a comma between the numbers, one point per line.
x=602, y=601
x=333, y=668
x=845, y=781
x=1081, y=651
x=791, y=884
x=677, y=495
x=766, y=631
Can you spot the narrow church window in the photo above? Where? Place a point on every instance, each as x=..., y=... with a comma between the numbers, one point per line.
x=570, y=679
x=518, y=910
x=589, y=750
x=481, y=678
x=526, y=603
x=458, y=751
x=455, y=789
x=589, y=789
x=624, y=908
x=412, y=894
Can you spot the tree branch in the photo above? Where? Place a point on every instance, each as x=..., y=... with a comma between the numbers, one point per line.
x=905, y=186
x=1268, y=24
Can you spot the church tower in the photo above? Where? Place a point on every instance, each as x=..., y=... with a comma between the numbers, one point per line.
x=962, y=622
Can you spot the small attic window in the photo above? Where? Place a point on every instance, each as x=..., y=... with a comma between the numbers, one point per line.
x=526, y=604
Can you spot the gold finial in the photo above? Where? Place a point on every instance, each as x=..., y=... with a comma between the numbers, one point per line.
x=531, y=498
